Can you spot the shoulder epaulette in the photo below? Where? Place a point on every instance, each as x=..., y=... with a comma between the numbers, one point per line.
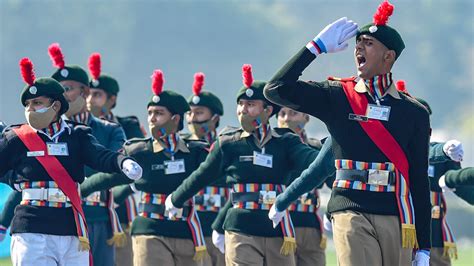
x=229, y=130
x=135, y=140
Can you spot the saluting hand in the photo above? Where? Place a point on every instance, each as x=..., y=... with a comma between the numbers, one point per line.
x=333, y=37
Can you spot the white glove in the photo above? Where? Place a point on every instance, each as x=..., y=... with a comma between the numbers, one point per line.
x=442, y=184
x=132, y=169
x=334, y=36
x=327, y=223
x=275, y=215
x=453, y=148
x=218, y=240
x=3, y=232
x=170, y=208
x=422, y=258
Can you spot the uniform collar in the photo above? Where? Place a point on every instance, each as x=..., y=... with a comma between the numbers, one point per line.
x=271, y=134
x=360, y=87
x=63, y=126
x=158, y=146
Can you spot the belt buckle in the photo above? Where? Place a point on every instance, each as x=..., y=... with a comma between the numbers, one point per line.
x=56, y=195
x=378, y=177
x=212, y=200
x=436, y=212
x=94, y=197
x=267, y=197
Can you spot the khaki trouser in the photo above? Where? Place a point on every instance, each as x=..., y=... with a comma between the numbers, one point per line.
x=124, y=255
x=437, y=258
x=243, y=249
x=368, y=239
x=308, y=249
x=216, y=258
x=159, y=250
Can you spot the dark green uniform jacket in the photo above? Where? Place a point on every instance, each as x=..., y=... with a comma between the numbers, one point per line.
x=408, y=124
x=463, y=182
x=83, y=150
x=228, y=158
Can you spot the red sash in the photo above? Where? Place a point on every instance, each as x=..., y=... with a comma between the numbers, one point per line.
x=59, y=174
x=390, y=148
x=375, y=129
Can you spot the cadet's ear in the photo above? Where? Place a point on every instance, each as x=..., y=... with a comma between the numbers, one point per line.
x=269, y=110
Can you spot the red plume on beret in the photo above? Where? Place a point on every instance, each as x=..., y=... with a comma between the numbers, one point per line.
x=94, y=65
x=247, y=75
x=56, y=55
x=198, y=83
x=157, y=82
x=27, y=72
x=384, y=11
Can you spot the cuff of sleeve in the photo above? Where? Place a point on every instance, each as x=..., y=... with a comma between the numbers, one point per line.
x=177, y=204
x=120, y=159
x=314, y=48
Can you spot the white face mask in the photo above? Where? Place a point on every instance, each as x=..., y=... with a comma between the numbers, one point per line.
x=40, y=118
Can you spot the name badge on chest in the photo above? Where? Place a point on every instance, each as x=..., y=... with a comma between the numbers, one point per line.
x=378, y=112
x=431, y=171
x=174, y=167
x=57, y=149
x=262, y=159
x=34, y=153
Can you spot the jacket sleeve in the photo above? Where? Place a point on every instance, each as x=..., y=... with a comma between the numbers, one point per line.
x=6, y=216
x=210, y=170
x=320, y=168
x=121, y=193
x=460, y=178
x=308, y=97
x=117, y=138
x=419, y=182
x=437, y=154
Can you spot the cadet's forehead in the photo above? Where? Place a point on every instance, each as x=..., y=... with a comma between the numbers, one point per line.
x=157, y=108
x=39, y=98
x=196, y=108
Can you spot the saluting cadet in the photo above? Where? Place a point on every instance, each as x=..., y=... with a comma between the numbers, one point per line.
x=48, y=155
x=203, y=119
x=257, y=161
x=379, y=139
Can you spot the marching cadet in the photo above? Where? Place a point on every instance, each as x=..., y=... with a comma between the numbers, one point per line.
x=104, y=228
x=310, y=238
x=167, y=160
x=257, y=161
x=203, y=119
x=461, y=182
x=442, y=237
x=101, y=101
x=374, y=130
x=49, y=154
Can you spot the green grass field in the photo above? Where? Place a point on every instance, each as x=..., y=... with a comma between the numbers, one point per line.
x=466, y=258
